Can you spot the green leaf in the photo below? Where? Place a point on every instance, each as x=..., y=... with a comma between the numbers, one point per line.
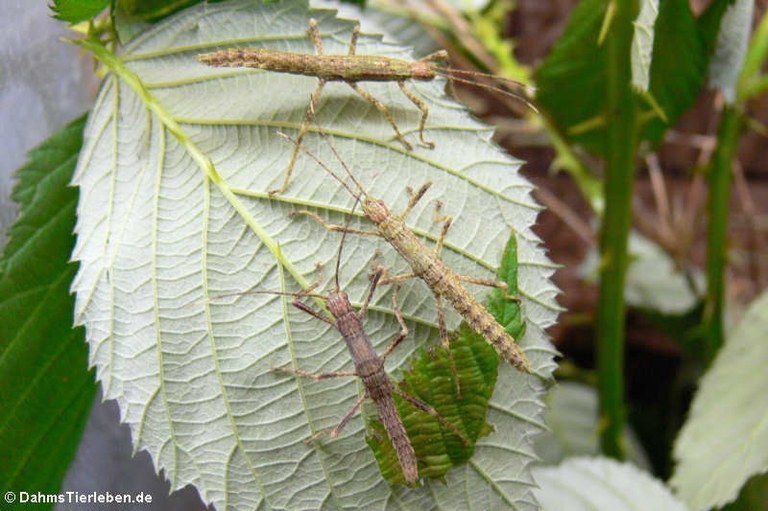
x=679, y=50
x=571, y=81
x=46, y=390
x=75, y=11
x=430, y=378
x=725, y=440
x=175, y=215
x=601, y=484
x=149, y=10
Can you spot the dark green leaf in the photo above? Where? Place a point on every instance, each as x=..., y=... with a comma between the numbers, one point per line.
x=709, y=22
x=430, y=379
x=571, y=81
x=679, y=51
x=46, y=390
x=154, y=10
x=75, y=11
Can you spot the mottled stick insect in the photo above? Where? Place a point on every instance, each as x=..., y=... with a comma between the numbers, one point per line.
x=351, y=69
x=425, y=263
x=369, y=367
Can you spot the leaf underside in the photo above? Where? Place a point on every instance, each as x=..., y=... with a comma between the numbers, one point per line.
x=601, y=484
x=167, y=248
x=725, y=439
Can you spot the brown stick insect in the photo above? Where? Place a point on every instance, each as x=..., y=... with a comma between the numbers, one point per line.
x=425, y=263
x=369, y=367
x=351, y=69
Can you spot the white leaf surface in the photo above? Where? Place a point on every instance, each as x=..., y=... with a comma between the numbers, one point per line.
x=165, y=238
x=725, y=439
x=572, y=419
x=654, y=281
x=642, y=44
x=601, y=484
x=732, y=40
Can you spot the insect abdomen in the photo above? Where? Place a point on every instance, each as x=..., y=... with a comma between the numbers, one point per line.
x=329, y=67
x=482, y=322
x=380, y=390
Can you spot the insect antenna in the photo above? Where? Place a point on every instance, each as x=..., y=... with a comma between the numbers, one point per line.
x=340, y=160
x=341, y=242
x=324, y=166
x=453, y=74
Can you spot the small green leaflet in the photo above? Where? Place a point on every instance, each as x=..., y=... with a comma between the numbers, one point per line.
x=430, y=379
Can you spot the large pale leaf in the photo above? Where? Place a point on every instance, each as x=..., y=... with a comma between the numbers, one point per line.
x=601, y=484
x=725, y=440
x=572, y=418
x=731, y=47
x=164, y=233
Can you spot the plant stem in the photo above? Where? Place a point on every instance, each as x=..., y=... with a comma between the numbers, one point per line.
x=621, y=146
x=717, y=237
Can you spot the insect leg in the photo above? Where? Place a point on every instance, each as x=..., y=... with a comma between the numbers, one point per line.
x=447, y=220
x=403, y=328
x=446, y=342
x=333, y=227
x=353, y=41
x=309, y=310
x=438, y=55
x=334, y=432
x=421, y=405
x=490, y=283
x=308, y=117
x=424, y=113
x=314, y=376
x=414, y=198
x=314, y=36
x=378, y=272
x=384, y=110
x=398, y=278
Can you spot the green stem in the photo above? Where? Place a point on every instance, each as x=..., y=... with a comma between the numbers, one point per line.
x=622, y=135
x=717, y=237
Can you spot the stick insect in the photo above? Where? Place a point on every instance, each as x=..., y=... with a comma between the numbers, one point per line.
x=425, y=263
x=351, y=69
x=369, y=367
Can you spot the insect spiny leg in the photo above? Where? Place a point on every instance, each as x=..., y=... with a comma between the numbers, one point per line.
x=334, y=432
x=447, y=221
x=421, y=405
x=333, y=227
x=314, y=376
x=353, y=40
x=314, y=35
x=384, y=111
x=446, y=342
x=308, y=117
x=372, y=288
x=414, y=198
x=424, y=113
x=403, y=328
